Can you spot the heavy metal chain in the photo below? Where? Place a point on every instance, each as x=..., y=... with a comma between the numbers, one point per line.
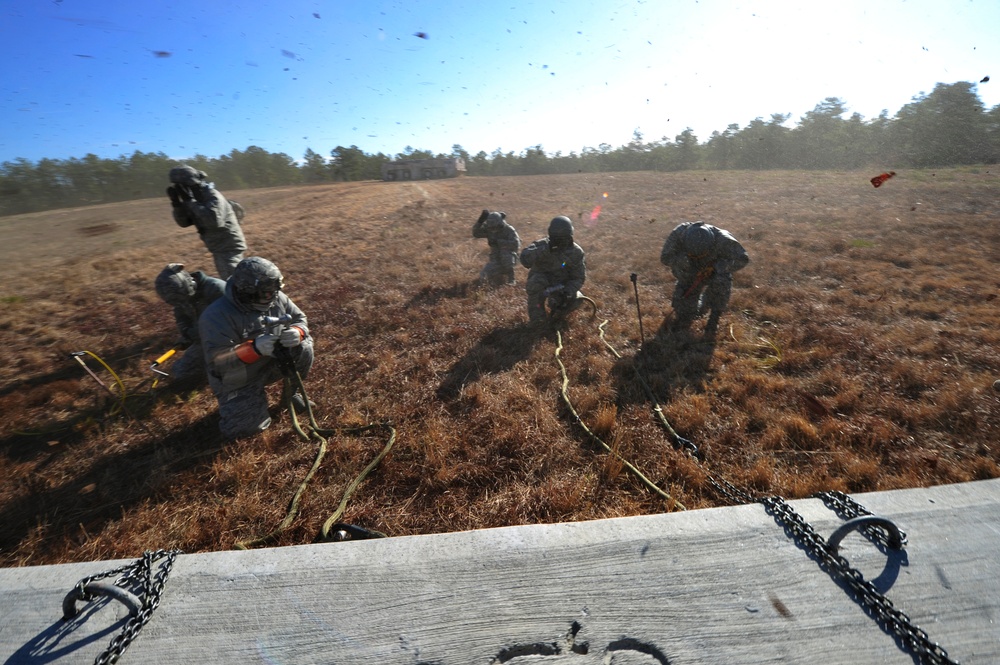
x=139, y=576
x=847, y=509
x=907, y=634
x=875, y=603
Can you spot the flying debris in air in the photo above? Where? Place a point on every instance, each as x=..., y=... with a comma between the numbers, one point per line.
x=984, y=79
x=315, y=15
x=882, y=177
x=422, y=35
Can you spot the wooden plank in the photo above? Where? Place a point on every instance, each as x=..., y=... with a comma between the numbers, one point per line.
x=722, y=585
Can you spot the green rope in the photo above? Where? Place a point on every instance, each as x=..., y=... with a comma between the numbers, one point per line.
x=576, y=418
x=657, y=409
x=292, y=383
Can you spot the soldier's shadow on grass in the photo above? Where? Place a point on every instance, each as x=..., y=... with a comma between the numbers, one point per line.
x=122, y=477
x=497, y=352
x=668, y=361
x=430, y=295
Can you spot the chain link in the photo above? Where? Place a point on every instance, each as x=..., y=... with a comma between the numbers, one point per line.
x=907, y=634
x=137, y=576
x=847, y=509
x=875, y=603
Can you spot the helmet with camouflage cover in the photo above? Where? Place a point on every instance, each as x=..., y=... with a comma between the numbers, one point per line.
x=698, y=240
x=256, y=282
x=175, y=285
x=187, y=175
x=495, y=219
x=561, y=230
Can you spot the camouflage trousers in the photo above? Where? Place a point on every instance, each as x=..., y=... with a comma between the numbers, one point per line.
x=226, y=262
x=190, y=366
x=244, y=411
x=500, y=270
x=710, y=296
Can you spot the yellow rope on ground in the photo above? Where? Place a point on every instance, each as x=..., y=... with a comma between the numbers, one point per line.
x=657, y=409
x=315, y=432
x=576, y=418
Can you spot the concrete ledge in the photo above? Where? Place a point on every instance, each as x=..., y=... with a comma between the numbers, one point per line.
x=723, y=585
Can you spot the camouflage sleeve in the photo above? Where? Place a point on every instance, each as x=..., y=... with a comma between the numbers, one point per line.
x=509, y=240
x=211, y=211
x=576, y=270
x=529, y=253
x=187, y=325
x=220, y=335
x=672, y=247
x=479, y=230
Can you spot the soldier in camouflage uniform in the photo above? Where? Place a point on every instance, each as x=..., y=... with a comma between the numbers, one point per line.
x=195, y=201
x=189, y=294
x=505, y=245
x=703, y=258
x=241, y=345
x=557, y=271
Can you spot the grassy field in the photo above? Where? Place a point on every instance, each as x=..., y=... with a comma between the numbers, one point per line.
x=859, y=354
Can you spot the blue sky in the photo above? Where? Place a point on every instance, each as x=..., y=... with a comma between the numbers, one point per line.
x=110, y=77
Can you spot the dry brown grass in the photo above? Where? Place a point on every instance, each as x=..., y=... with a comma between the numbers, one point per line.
x=859, y=355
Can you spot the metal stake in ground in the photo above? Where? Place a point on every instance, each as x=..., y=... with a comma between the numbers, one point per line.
x=635, y=286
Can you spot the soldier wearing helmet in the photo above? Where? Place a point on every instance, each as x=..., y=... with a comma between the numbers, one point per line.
x=189, y=294
x=703, y=258
x=240, y=338
x=196, y=202
x=557, y=271
x=505, y=245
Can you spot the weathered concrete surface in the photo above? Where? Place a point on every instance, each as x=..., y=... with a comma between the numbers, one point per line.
x=723, y=585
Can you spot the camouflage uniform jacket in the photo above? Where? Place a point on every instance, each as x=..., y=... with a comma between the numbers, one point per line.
x=548, y=267
x=726, y=256
x=214, y=217
x=207, y=290
x=502, y=239
x=226, y=324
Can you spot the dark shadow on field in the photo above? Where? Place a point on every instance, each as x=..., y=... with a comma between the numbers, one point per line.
x=497, y=352
x=118, y=359
x=669, y=360
x=431, y=295
x=59, y=429
x=117, y=480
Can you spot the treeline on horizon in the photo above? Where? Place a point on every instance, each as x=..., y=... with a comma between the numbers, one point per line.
x=948, y=127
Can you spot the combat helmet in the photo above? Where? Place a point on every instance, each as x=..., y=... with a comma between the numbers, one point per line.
x=256, y=282
x=698, y=240
x=561, y=230
x=175, y=285
x=187, y=175
x=495, y=219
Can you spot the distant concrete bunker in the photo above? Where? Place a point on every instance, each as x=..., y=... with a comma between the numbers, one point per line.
x=423, y=169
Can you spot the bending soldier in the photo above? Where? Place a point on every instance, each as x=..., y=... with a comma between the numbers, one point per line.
x=504, y=244
x=196, y=202
x=703, y=258
x=242, y=334
x=557, y=272
x=189, y=294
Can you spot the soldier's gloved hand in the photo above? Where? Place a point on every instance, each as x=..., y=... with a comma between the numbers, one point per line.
x=264, y=344
x=175, y=197
x=291, y=337
x=483, y=216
